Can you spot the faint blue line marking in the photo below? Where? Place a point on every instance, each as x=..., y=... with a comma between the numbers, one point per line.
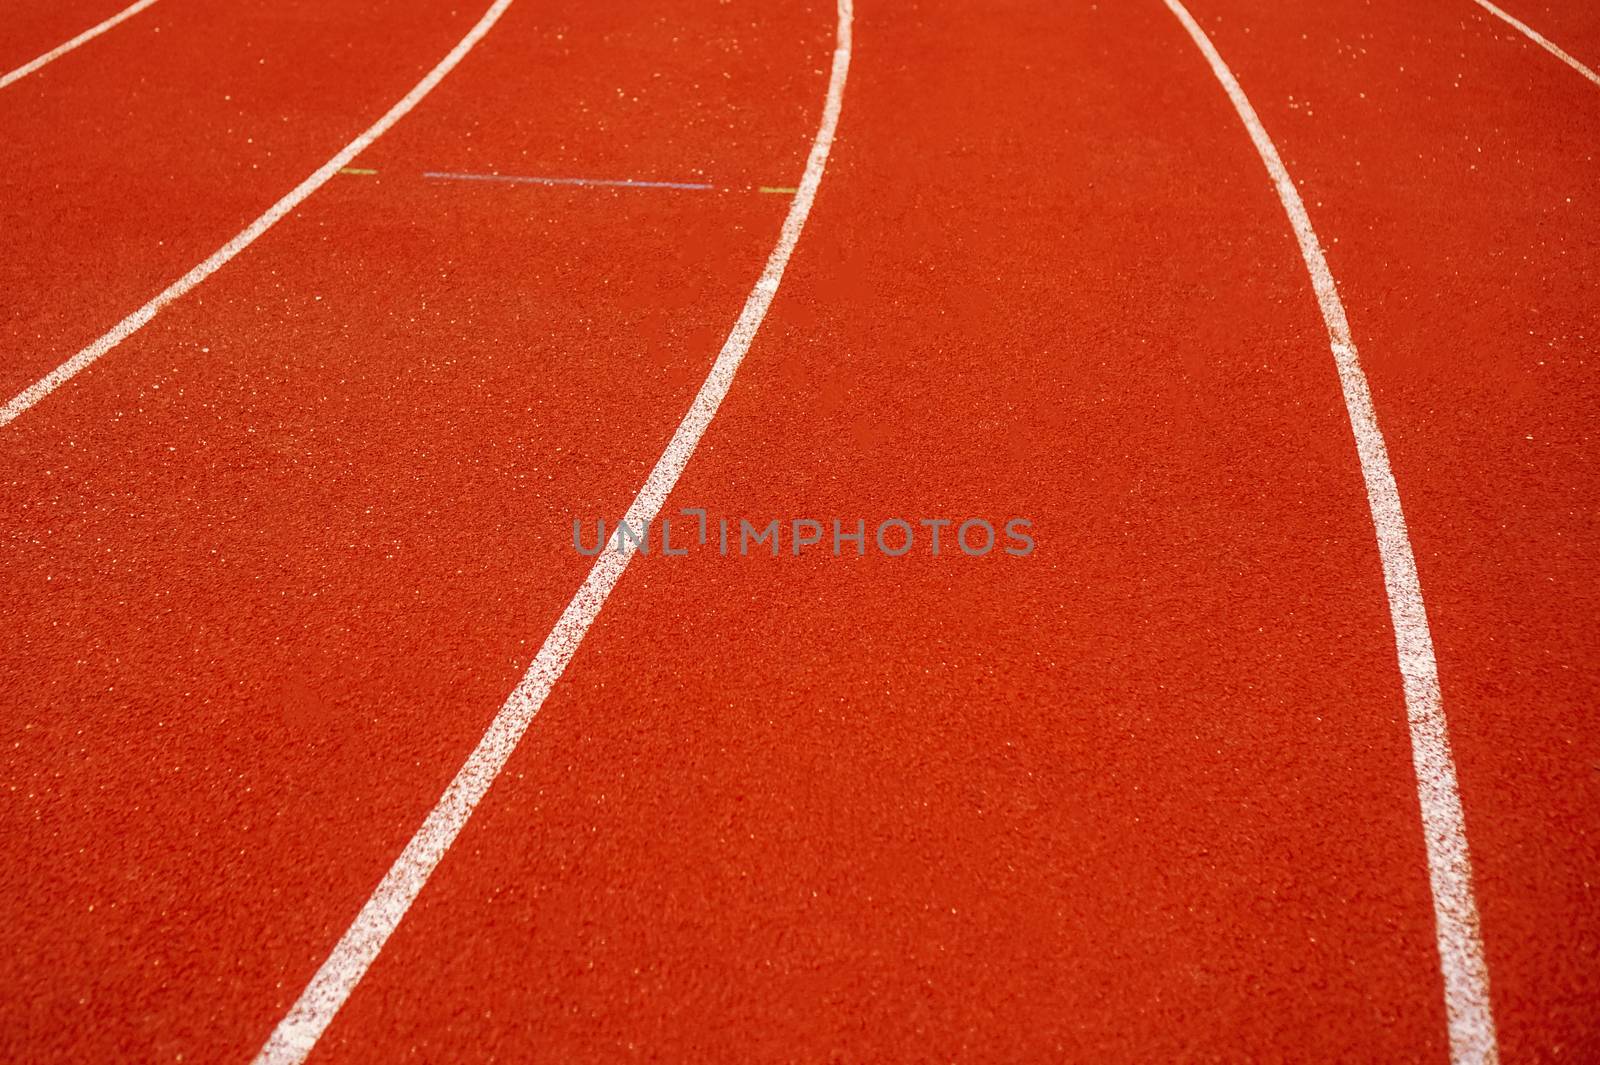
x=514, y=179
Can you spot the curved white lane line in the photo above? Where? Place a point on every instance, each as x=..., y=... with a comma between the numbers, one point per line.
x=1539, y=39
x=83, y=38
x=274, y=214
x=361, y=943
x=1466, y=977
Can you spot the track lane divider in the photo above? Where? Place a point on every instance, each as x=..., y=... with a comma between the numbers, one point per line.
x=30, y=396
x=1460, y=944
x=83, y=38
x=297, y=1034
x=1539, y=39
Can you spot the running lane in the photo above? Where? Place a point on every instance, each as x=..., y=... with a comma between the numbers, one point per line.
x=1452, y=169
x=135, y=157
x=1145, y=795
x=271, y=566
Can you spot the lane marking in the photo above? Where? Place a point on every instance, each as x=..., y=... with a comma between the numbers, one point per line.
x=295, y=1036
x=626, y=183
x=83, y=38
x=136, y=321
x=1539, y=39
x=513, y=179
x=1466, y=976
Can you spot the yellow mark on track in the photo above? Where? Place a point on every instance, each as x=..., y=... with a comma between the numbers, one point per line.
x=356, y=170
x=780, y=190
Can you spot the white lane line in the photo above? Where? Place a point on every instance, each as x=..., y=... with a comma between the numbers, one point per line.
x=1466, y=977
x=274, y=214
x=298, y=1032
x=1539, y=39
x=83, y=38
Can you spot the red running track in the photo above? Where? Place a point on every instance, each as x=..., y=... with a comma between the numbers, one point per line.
x=273, y=564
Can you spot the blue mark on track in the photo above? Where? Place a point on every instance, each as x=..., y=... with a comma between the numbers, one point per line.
x=627, y=183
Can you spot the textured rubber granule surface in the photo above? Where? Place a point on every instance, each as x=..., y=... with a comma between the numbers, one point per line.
x=270, y=567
